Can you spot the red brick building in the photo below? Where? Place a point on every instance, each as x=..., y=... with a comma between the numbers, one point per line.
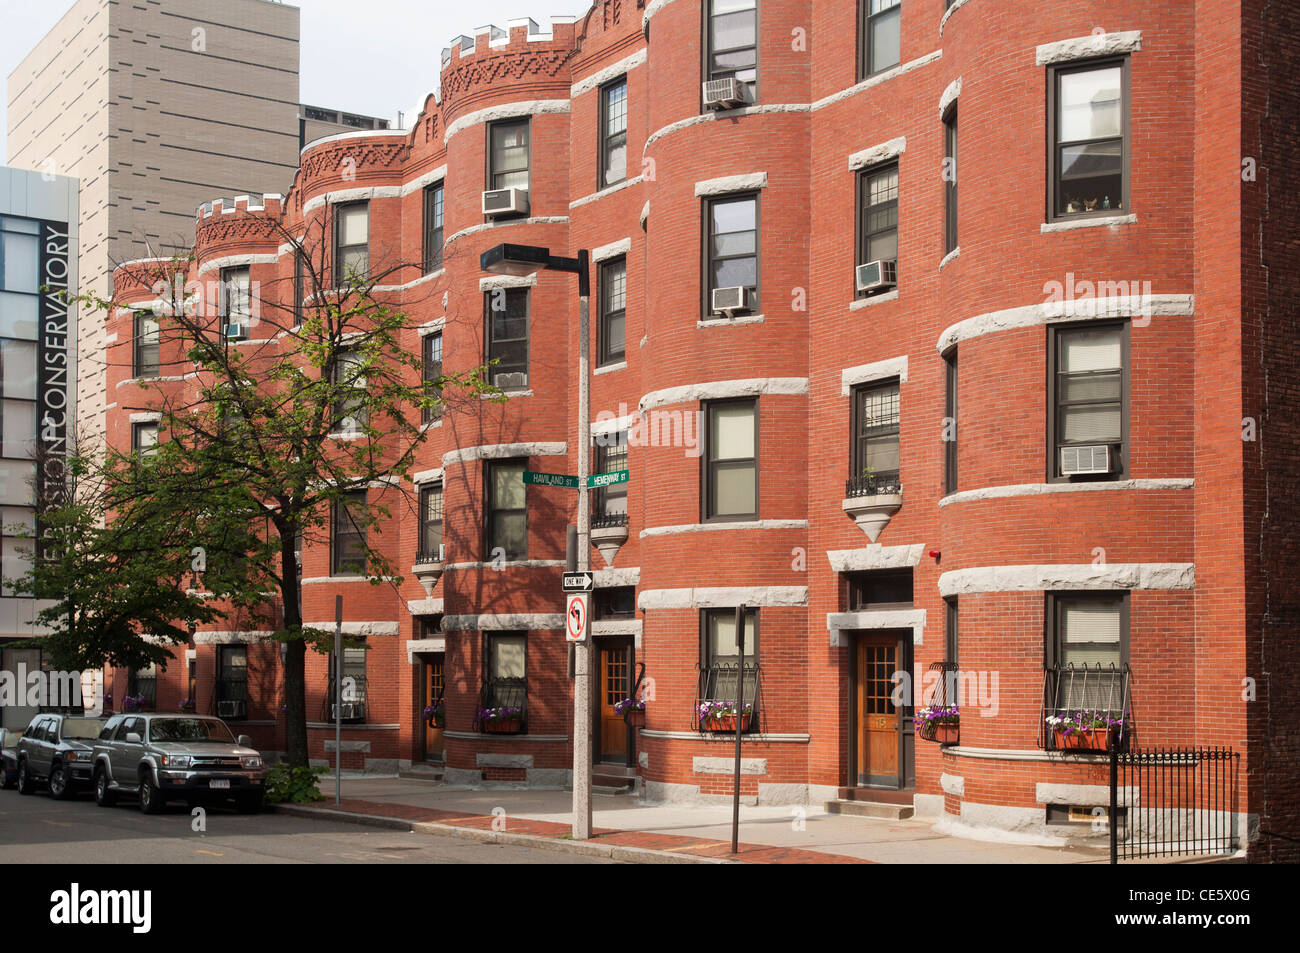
x=1043, y=440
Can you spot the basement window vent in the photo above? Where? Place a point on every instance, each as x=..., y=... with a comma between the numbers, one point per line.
x=1075, y=815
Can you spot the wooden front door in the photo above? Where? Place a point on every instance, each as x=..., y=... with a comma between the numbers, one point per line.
x=615, y=685
x=879, y=747
x=434, y=688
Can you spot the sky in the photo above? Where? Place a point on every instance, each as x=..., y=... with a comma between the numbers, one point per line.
x=373, y=57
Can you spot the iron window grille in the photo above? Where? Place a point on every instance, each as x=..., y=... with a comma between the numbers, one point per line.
x=505, y=683
x=433, y=227
x=430, y=549
x=354, y=687
x=610, y=503
x=506, y=315
x=146, y=358
x=1095, y=693
x=875, y=453
x=722, y=671
x=613, y=126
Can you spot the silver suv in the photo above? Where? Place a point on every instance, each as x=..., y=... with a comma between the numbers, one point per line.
x=161, y=757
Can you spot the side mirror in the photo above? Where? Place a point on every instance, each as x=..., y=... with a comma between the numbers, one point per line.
x=133, y=737
x=244, y=741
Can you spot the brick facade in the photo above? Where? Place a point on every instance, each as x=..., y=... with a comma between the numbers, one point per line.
x=1207, y=606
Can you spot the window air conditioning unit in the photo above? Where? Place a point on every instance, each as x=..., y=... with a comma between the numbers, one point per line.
x=730, y=300
x=231, y=708
x=237, y=332
x=505, y=202
x=723, y=93
x=1081, y=461
x=877, y=275
x=512, y=380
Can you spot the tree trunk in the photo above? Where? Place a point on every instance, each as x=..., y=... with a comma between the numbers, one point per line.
x=295, y=657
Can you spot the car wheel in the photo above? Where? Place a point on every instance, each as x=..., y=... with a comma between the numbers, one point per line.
x=249, y=803
x=60, y=786
x=25, y=785
x=104, y=797
x=151, y=799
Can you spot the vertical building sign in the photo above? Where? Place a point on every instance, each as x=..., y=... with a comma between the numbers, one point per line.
x=53, y=361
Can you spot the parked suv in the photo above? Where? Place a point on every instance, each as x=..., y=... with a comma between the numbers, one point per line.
x=57, y=749
x=162, y=757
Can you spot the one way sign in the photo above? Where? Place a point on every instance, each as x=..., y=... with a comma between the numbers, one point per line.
x=578, y=582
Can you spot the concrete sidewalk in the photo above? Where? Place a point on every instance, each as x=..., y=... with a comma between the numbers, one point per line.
x=768, y=834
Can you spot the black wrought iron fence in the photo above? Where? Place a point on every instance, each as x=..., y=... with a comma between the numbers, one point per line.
x=872, y=484
x=1171, y=802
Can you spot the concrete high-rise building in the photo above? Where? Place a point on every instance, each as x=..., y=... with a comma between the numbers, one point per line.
x=158, y=108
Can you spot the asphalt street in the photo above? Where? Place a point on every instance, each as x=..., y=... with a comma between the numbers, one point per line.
x=37, y=829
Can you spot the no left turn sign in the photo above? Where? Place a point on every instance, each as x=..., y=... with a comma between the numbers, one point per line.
x=575, y=616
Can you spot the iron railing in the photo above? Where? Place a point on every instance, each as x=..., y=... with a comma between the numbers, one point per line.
x=354, y=708
x=498, y=694
x=607, y=520
x=1172, y=802
x=721, y=682
x=1090, y=695
x=428, y=553
x=873, y=484
x=944, y=691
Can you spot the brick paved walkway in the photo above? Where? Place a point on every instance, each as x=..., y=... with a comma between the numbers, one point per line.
x=672, y=843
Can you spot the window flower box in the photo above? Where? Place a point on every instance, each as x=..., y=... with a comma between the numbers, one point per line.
x=501, y=721
x=1086, y=731
x=632, y=710
x=941, y=724
x=721, y=716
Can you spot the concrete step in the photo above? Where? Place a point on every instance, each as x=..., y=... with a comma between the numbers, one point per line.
x=608, y=791
x=422, y=772
x=889, y=812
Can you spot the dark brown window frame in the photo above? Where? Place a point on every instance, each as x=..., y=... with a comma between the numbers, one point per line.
x=856, y=461
x=863, y=582
x=866, y=20
x=606, y=356
x=339, y=507
x=488, y=653
x=340, y=277
x=489, y=340
x=1054, y=332
x=706, y=65
x=606, y=141
x=951, y=166
x=491, y=174
x=951, y=631
x=431, y=414
x=950, y=384
x=756, y=302
x=299, y=291
x=860, y=224
x=1054, y=72
x=434, y=208
x=136, y=430
x=490, y=509
x=1053, y=602
x=426, y=547
x=225, y=275
x=139, y=366
x=707, y=502
x=604, y=451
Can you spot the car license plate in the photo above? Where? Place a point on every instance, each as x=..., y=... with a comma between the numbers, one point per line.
x=222, y=784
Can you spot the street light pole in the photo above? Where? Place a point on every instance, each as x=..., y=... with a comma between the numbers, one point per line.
x=582, y=714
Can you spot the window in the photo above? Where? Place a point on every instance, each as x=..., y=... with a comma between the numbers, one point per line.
x=350, y=413
x=1089, y=374
x=618, y=602
x=351, y=242
x=299, y=287
x=613, y=133
x=731, y=460
x=348, y=540
x=613, y=311
x=875, y=456
x=232, y=681
x=146, y=345
x=353, y=688
x=732, y=253
x=950, y=422
x=144, y=439
x=878, y=221
x=880, y=589
x=720, y=657
x=508, y=155
x=142, y=685
x=880, y=35
x=950, y=180
x=733, y=43
x=431, y=346
x=16, y=550
x=950, y=630
x=430, y=523
x=505, y=670
x=1088, y=119
x=236, y=295
x=433, y=228
x=507, y=337
x=1087, y=651
x=507, y=510
x=611, y=501
x=20, y=251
